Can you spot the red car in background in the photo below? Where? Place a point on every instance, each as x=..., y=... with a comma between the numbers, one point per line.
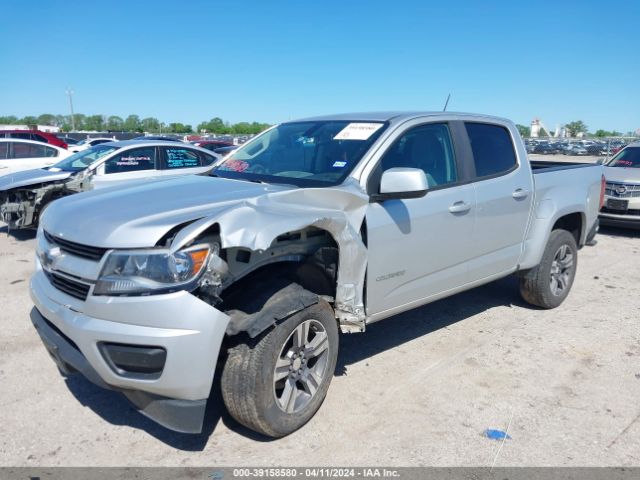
x=36, y=135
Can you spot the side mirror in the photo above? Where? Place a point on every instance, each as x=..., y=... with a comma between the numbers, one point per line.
x=600, y=161
x=400, y=183
x=100, y=169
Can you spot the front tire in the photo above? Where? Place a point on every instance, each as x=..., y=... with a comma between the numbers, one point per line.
x=275, y=383
x=549, y=283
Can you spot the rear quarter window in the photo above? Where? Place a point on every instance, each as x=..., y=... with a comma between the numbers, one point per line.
x=492, y=147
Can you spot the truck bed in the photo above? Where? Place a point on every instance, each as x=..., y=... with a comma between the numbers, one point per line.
x=544, y=166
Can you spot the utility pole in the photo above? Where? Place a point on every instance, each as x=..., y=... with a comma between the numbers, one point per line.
x=73, y=119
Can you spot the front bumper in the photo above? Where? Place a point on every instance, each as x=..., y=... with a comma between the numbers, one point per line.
x=191, y=332
x=626, y=219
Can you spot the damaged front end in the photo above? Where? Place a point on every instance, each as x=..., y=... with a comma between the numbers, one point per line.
x=311, y=235
x=21, y=206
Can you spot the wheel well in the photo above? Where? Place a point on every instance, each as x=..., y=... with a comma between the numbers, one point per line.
x=572, y=223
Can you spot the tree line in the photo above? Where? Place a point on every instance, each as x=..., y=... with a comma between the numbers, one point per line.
x=574, y=129
x=133, y=123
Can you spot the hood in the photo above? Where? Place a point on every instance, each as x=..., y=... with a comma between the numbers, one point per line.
x=30, y=177
x=138, y=216
x=622, y=175
x=250, y=215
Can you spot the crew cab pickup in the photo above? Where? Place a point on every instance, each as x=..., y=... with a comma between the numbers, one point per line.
x=313, y=227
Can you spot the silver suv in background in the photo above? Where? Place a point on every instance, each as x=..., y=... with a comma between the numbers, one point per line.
x=622, y=195
x=314, y=226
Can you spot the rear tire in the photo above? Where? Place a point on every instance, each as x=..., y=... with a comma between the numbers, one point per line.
x=275, y=383
x=549, y=283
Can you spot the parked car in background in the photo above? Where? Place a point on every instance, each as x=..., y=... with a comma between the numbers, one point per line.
x=222, y=151
x=17, y=155
x=315, y=226
x=35, y=135
x=24, y=195
x=575, y=149
x=622, y=194
x=160, y=138
x=68, y=140
x=545, y=148
x=212, y=144
x=89, y=142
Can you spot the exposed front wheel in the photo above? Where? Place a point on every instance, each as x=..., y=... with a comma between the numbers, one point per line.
x=548, y=284
x=275, y=383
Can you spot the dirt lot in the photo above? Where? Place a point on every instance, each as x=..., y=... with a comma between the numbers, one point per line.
x=418, y=389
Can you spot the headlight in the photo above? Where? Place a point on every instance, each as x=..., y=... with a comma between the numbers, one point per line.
x=150, y=270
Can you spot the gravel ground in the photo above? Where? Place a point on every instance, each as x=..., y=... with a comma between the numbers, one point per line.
x=417, y=389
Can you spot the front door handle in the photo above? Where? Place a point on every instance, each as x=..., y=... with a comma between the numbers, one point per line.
x=460, y=207
x=519, y=193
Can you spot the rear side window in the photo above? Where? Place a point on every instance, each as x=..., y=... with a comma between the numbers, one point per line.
x=31, y=150
x=493, y=152
x=181, y=158
x=133, y=160
x=4, y=150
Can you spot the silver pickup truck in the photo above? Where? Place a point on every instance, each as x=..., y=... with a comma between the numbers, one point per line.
x=313, y=227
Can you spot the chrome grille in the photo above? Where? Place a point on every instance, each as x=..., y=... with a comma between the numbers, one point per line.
x=631, y=190
x=71, y=287
x=85, y=251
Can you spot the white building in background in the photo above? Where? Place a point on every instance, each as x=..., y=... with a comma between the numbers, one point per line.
x=537, y=126
x=42, y=128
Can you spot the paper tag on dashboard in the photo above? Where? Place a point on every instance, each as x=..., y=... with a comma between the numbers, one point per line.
x=357, y=131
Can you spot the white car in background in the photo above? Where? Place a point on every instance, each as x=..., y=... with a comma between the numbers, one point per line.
x=88, y=143
x=24, y=195
x=17, y=155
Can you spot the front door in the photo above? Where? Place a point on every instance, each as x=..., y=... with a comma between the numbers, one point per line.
x=418, y=248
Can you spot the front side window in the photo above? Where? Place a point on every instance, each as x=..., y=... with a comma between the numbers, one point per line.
x=628, y=158
x=4, y=150
x=134, y=160
x=305, y=154
x=181, y=158
x=492, y=147
x=83, y=159
x=427, y=147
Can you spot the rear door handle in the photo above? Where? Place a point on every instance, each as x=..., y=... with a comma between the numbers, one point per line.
x=519, y=193
x=460, y=207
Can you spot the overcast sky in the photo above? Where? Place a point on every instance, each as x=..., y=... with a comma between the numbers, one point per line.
x=188, y=61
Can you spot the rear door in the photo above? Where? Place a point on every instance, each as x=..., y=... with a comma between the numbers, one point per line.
x=178, y=160
x=129, y=165
x=503, y=186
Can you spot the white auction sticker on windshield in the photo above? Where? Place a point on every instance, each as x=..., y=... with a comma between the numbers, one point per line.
x=358, y=131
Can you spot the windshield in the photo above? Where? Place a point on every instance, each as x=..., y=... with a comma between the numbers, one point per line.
x=629, y=158
x=83, y=159
x=305, y=154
